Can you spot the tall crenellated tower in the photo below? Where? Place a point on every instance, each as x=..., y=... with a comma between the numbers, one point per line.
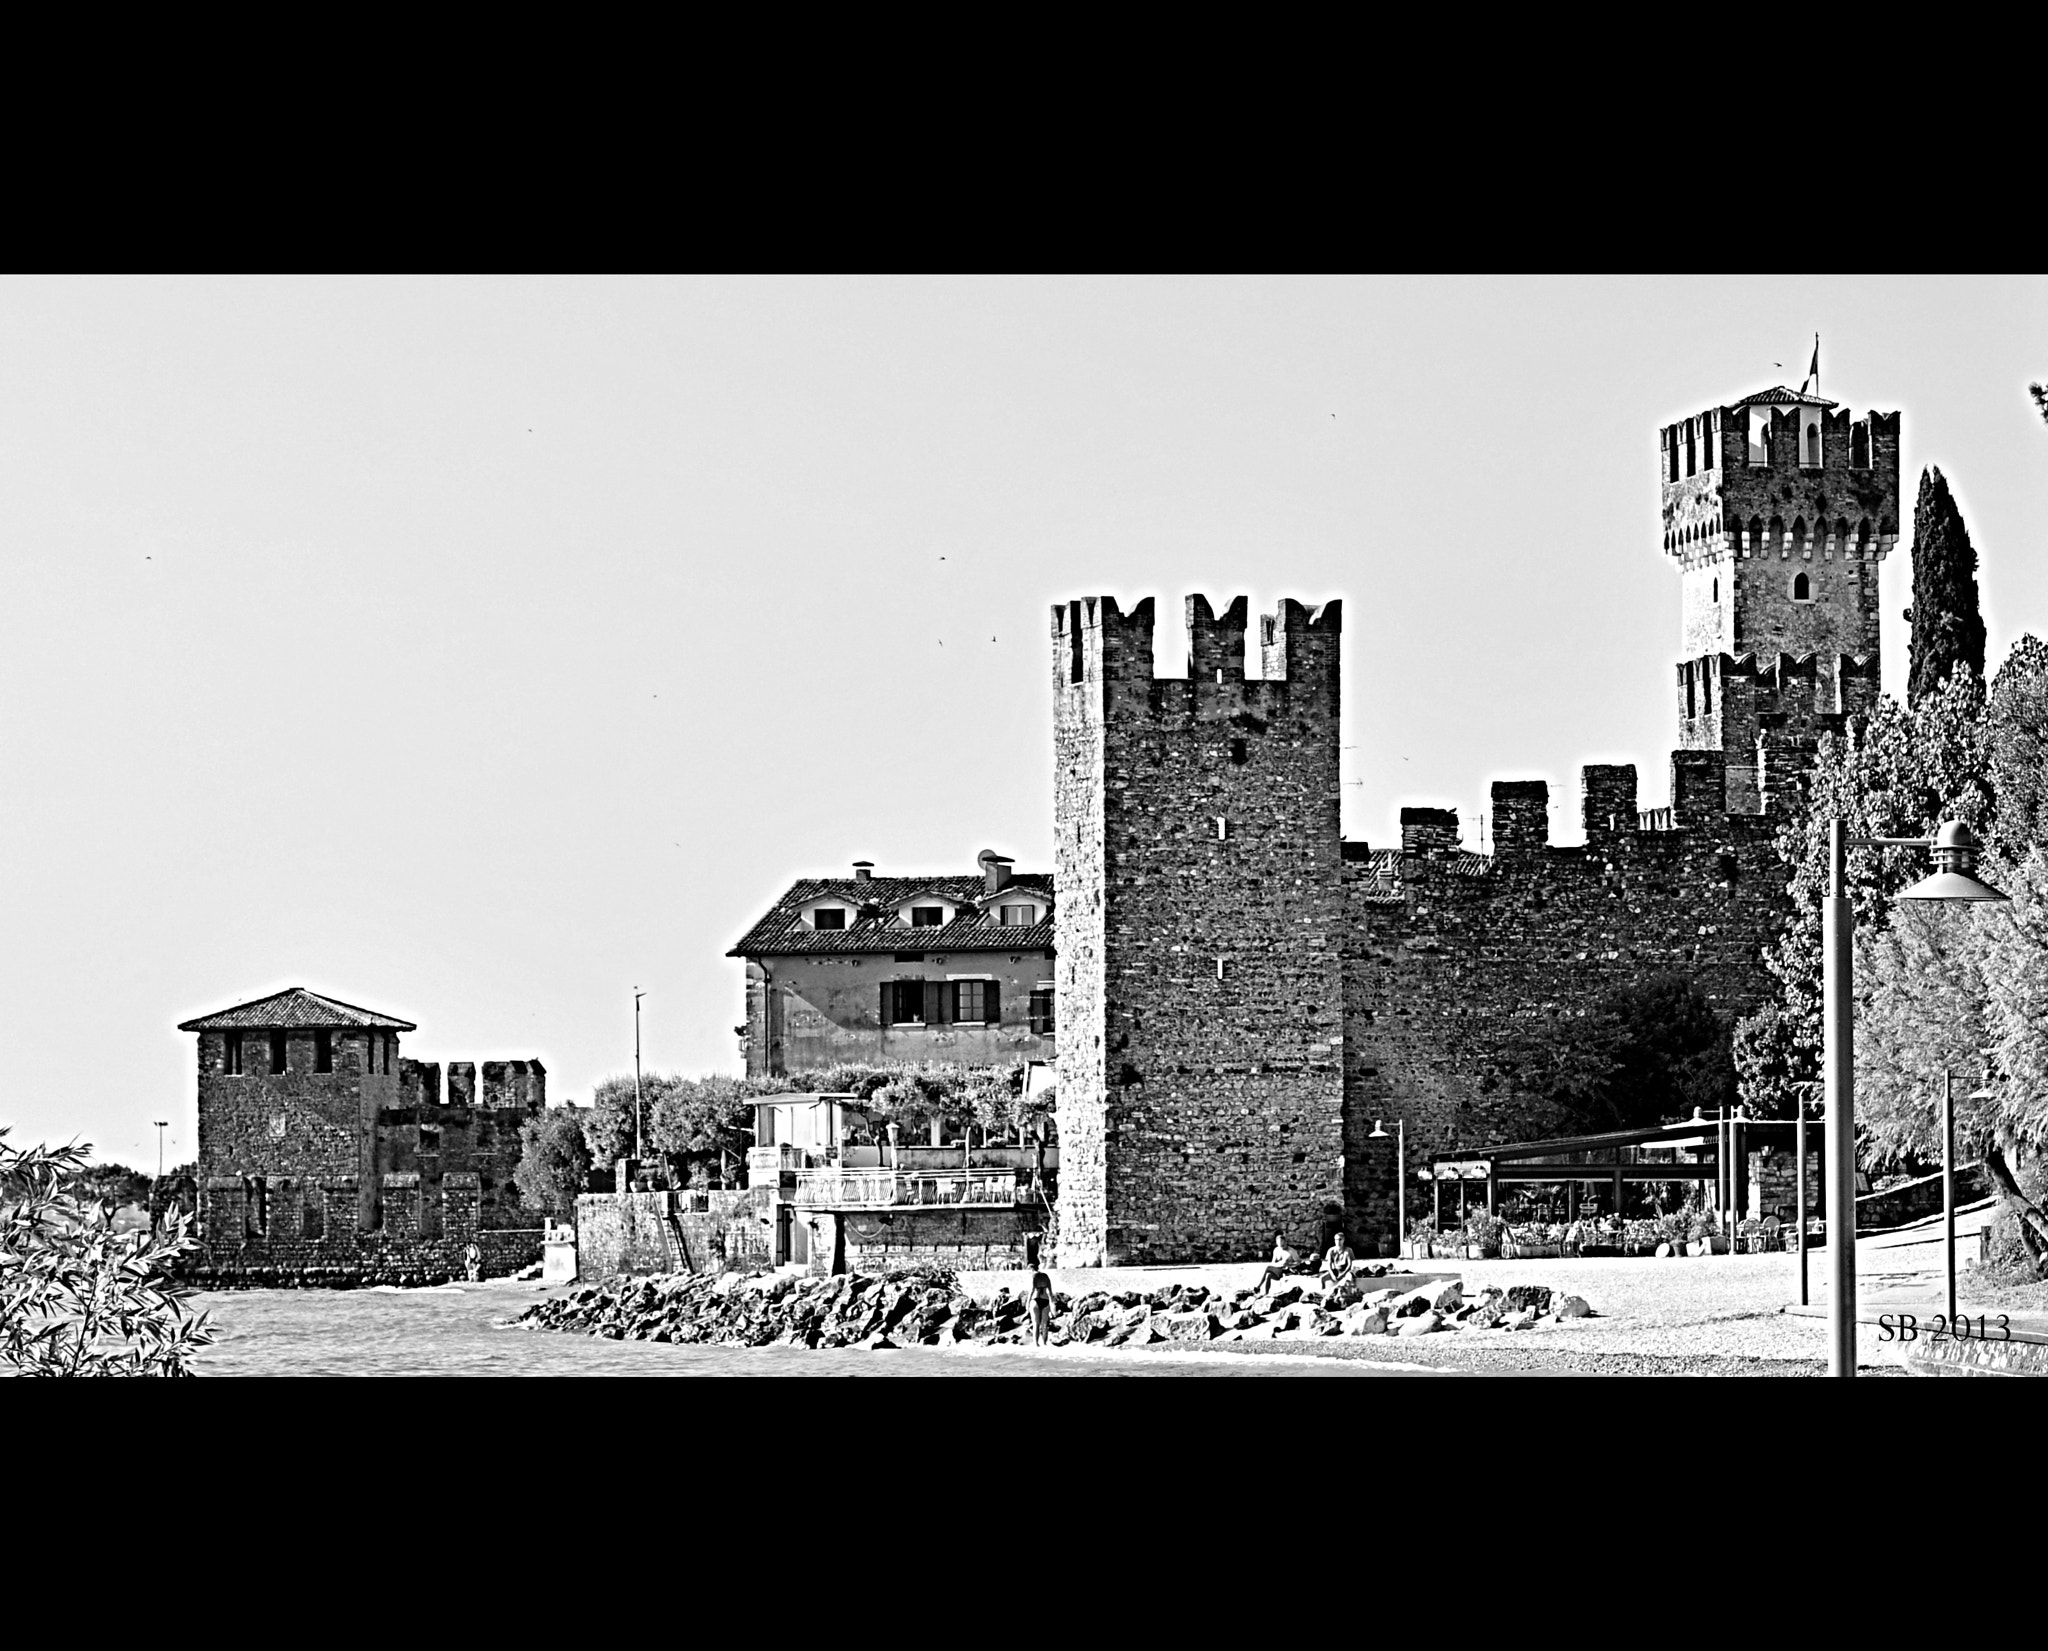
x=1199, y=975
x=1778, y=511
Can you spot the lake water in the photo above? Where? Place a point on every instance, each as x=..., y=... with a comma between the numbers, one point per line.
x=457, y=1330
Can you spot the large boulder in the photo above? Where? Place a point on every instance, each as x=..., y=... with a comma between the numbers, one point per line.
x=1422, y=1325
x=1571, y=1307
x=1366, y=1321
x=1191, y=1326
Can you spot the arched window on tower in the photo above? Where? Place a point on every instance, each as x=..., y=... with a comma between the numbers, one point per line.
x=1692, y=450
x=1859, y=446
x=1813, y=445
x=1802, y=588
x=1717, y=590
x=1759, y=435
x=1863, y=537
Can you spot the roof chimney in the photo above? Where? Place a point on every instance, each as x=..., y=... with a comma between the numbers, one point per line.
x=863, y=870
x=995, y=870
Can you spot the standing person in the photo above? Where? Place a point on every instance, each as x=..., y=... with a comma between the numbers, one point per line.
x=1041, y=1308
x=473, y=1263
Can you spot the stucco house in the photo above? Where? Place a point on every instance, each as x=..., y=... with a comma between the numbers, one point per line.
x=867, y=968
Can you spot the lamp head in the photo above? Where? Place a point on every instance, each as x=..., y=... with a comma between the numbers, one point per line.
x=1378, y=1134
x=1955, y=858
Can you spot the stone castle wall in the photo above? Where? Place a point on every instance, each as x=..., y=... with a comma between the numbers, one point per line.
x=1197, y=852
x=1454, y=959
x=279, y=1150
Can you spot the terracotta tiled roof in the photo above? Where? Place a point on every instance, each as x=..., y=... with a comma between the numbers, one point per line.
x=293, y=1007
x=1778, y=396
x=784, y=933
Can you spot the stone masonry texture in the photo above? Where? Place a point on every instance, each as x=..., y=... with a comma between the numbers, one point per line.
x=348, y=1166
x=1244, y=998
x=1201, y=901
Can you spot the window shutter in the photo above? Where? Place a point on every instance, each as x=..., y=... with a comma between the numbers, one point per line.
x=888, y=1003
x=938, y=1002
x=991, y=1004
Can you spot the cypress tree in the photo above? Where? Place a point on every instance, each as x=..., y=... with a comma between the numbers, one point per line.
x=1948, y=629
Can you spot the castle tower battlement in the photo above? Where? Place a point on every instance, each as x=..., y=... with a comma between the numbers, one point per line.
x=1778, y=512
x=1198, y=973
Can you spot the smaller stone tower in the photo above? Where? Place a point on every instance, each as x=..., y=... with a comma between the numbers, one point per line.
x=1778, y=512
x=290, y=1087
x=1199, y=964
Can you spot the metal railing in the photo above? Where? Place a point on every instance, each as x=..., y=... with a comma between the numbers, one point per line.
x=884, y=1189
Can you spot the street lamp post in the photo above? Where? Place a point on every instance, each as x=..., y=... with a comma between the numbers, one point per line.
x=1955, y=857
x=162, y=1124
x=637, y=996
x=1400, y=1178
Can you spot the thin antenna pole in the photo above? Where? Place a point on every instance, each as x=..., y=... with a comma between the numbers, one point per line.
x=637, y=995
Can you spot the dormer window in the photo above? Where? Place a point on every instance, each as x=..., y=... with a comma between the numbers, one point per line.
x=1019, y=917
x=927, y=917
x=829, y=917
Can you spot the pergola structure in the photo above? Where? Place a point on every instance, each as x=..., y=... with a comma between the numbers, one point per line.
x=1719, y=1149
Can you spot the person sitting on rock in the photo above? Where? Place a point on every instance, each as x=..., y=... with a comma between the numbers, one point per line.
x=1284, y=1262
x=1338, y=1264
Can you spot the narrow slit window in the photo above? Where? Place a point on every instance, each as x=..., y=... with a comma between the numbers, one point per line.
x=278, y=1053
x=231, y=1054
x=323, y=1051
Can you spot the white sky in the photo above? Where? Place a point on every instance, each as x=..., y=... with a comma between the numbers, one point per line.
x=476, y=650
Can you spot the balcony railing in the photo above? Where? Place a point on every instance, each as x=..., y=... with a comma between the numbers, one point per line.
x=884, y=1189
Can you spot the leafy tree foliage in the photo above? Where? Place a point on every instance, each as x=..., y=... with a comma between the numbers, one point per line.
x=1900, y=776
x=76, y=1298
x=1935, y=986
x=554, y=1161
x=702, y=1126
x=1641, y=1054
x=1948, y=628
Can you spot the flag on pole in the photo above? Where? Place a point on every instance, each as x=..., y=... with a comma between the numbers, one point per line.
x=1812, y=373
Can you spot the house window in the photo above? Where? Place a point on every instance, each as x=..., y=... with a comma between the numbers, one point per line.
x=430, y=1139
x=970, y=999
x=1041, y=1010
x=902, y=1003
x=1018, y=917
x=927, y=917
x=323, y=1051
x=231, y=1054
x=277, y=1053
x=829, y=917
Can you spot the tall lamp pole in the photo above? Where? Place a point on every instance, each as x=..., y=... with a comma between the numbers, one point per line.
x=163, y=1124
x=637, y=996
x=1379, y=1133
x=1955, y=857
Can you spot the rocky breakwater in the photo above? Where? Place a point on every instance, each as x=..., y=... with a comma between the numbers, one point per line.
x=925, y=1307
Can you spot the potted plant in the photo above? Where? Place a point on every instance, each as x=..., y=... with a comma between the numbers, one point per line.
x=1483, y=1235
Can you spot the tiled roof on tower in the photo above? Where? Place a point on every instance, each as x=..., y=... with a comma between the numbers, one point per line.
x=294, y=1007
x=1778, y=396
